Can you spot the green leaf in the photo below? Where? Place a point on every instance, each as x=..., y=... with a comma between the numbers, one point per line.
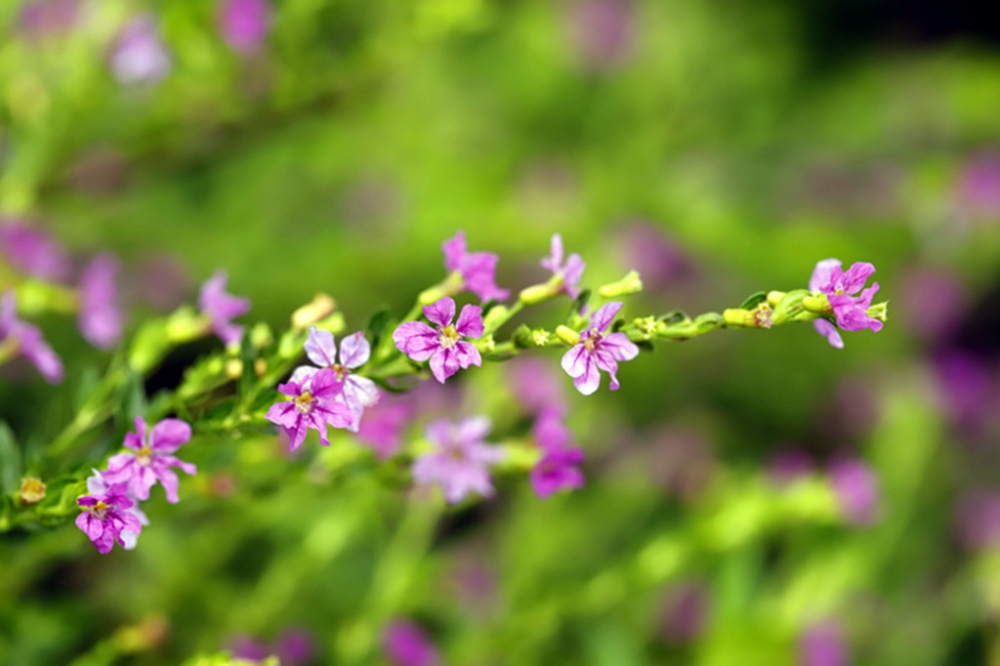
x=579, y=302
x=754, y=300
x=248, y=354
x=674, y=317
x=10, y=461
x=376, y=326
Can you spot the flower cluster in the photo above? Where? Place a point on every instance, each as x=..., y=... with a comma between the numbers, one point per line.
x=841, y=289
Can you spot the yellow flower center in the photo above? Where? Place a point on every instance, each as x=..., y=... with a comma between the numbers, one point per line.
x=590, y=343
x=304, y=402
x=100, y=510
x=144, y=456
x=448, y=337
x=340, y=371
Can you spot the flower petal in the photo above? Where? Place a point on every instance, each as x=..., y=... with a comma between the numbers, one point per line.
x=467, y=354
x=553, y=262
x=854, y=279
x=473, y=429
x=321, y=347
x=470, y=322
x=416, y=339
x=441, y=312
x=454, y=250
x=822, y=274
x=574, y=361
x=830, y=332
x=605, y=316
x=619, y=346
x=170, y=484
x=168, y=435
x=325, y=385
x=588, y=382
x=445, y=363
x=355, y=350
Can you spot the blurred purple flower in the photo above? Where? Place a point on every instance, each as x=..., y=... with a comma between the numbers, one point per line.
x=313, y=406
x=931, y=302
x=557, y=469
x=28, y=340
x=244, y=23
x=221, y=308
x=249, y=649
x=152, y=459
x=979, y=185
x=48, y=18
x=602, y=31
x=978, y=519
x=477, y=269
x=100, y=318
x=966, y=388
x=660, y=261
x=789, y=466
x=321, y=348
x=383, y=424
x=840, y=287
x=161, y=281
x=569, y=273
x=106, y=514
x=821, y=644
x=98, y=484
x=686, y=612
x=444, y=347
x=680, y=460
x=857, y=489
x=140, y=56
x=460, y=461
x=34, y=252
x=406, y=644
x=535, y=384
x=295, y=647
x=598, y=350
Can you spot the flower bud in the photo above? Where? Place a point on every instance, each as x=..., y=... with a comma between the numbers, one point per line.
x=539, y=293
x=32, y=490
x=567, y=335
x=775, y=297
x=630, y=284
x=260, y=367
x=819, y=304
x=234, y=368
x=261, y=335
x=320, y=307
x=759, y=317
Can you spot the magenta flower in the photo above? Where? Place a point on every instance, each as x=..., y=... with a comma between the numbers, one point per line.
x=321, y=348
x=221, y=308
x=789, y=466
x=34, y=252
x=598, y=350
x=382, y=425
x=244, y=23
x=857, y=489
x=444, y=347
x=476, y=269
x=557, y=469
x=97, y=484
x=821, y=645
x=28, y=340
x=107, y=514
x=840, y=287
x=570, y=273
x=140, y=55
x=311, y=406
x=100, y=318
x=406, y=644
x=460, y=462
x=152, y=459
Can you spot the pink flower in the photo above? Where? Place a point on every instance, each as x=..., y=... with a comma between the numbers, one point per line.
x=444, y=347
x=244, y=23
x=406, y=644
x=98, y=484
x=321, y=348
x=557, y=469
x=383, y=424
x=570, y=273
x=460, y=462
x=857, y=489
x=107, y=515
x=28, y=340
x=221, y=308
x=314, y=406
x=822, y=645
x=34, y=252
x=598, y=350
x=100, y=319
x=140, y=54
x=830, y=332
x=840, y=287
x=477, y=269
x=152, y=459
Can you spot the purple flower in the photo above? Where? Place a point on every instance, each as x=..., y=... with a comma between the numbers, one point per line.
x=34, y=252
x=932, y=302
x=28, y=340
x=244, y=23
x=686, y=612
x=830, y=332
x=295, y=647
x=444, y=347
x=840, y=287
x=460, y=462
x=857, y=489
x=221, y=308
x=107, y=514
x=788, y=467
x=978, y=519
x=314, y=406
x=140, y=55
x=152, y=459
x=321, y=348
x=100, y=319
x=247, y=648
x=48, y=18
x=570, y=273
x=97, y=484
x=979, y=185
x=382, y=425
x=965, y=388
x=406, y=644
x=598, y=350
x=602, y=30
x=557, y=469
x=821, y=645
x=476, y=269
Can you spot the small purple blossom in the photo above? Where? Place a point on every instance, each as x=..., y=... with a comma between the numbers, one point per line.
x=321, y=348
x=965, y=388
x=28, y=340
x=97, y=484
x=857, y=489
x=100, y=318
x=460, y=461
x=598, y=350
x=48, y=18
x=382, y=425
x=840, y=287
x=244, y=23
x=311, y=406
x=557, y=469
x=152, y=459
x=406, y=644
x=247, y=648
x=107, y=515
x=569, y=273
x=34, y=252
x=221, y=308
x=140, y=55
x=822, y=645
x=830, y=332
x=444, y=347
x=295, y=647
x=477, y=269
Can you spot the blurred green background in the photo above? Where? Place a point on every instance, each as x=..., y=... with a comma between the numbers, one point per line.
x=720, y=148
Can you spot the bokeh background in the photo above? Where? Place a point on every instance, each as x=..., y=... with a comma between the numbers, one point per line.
x=753, y=497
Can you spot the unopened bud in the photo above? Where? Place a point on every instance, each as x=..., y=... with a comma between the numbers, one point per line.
x=32, y=490
x=319, y=308
x=568, y=335
x=234, y=368
x=630, y=284
x=453, y=284
x=774, y=297
x=539, y=293
x=260, y=367
x=818, y=304
x=261, y=335
x=495, y=318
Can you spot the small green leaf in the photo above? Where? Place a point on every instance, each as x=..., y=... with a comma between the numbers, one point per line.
x=753, y=301
x=579, y=302
x=10, y=461
x=376, y=326
x=674, y=317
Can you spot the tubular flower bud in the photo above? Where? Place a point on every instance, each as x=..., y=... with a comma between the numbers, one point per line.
x=630, y=284
x=316, y=310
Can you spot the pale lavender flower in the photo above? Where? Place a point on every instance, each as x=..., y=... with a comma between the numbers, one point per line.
x=244, y=23
x=98, y=484
x=598, y=350
x=460, y=461
x=221, y=308
x=857, y=489
x=406, y=644
x=558, y=468
x=821, y=644
x=569, y=273
x=321, y=348
x=840, y=287
x=383, y=424
x=602, y=31
x=140, y=55
x=48, y=18
x=150, y=458
x=444, y=347
x=535, y=385
x=314, y=406
x=34, y=252
x=477, y=269
x=28, y=340
x=106, y=515
x=100, y=318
